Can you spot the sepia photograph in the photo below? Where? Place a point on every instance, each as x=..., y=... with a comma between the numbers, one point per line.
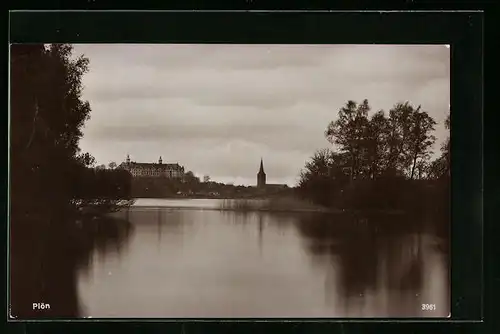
x=231, y=181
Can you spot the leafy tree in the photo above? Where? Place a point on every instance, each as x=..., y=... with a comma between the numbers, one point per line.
x=112, y=165
x=440, y=167
x=323, y=176
x=420, y=138
x=47, y=114
x=189, y=177
x=422, y=169
x=86, y=160
x=445, y=149
x=403, y=141
x=378, y=153
x=377, y=134
x=409, y=139
x=49, y=173
x=348, y=132
x=400, y=117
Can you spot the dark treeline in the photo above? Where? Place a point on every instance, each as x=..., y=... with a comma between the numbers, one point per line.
x=154, y=187
x=106, y=188
x=47, y=116
x=382, y=162
x=51, y=178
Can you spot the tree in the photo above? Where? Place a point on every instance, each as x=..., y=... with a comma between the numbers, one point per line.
x=384, y=149
x=440, y=167
x=86, y=159
x=47, y=114
x=401, y=143
x=377, y=134
x=48, y=174
x=206, y=178
x=322, y=176
x=112, y=165
x=420, y=139
x=349, y=131
x=409, y=139
x=190, y=178
x=445, y=149
x=399, y=129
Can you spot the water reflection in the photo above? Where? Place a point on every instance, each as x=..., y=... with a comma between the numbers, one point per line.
x=181, y=262
x=261, y=232
x=49, y=254
x=376, y=266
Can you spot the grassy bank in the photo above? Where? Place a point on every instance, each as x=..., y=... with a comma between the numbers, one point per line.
x=101, y=207
x=283, y=204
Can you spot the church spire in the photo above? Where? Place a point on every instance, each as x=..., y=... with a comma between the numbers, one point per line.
x=261, y=176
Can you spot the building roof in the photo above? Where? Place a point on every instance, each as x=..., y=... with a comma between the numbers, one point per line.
x=261, y=169
x=276, y=185
x=153, y=165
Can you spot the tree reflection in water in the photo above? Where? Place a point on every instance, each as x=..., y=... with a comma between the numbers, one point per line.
x=375, y=256
x=380, y=260
x=46, y=256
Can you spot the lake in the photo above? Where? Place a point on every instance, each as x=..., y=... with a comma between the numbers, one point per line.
x=185, y=258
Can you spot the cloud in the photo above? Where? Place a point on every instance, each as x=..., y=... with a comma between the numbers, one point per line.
x=218, y=108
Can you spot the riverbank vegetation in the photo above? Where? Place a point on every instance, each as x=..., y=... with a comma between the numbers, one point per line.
x=48, y=169
x=52, y=182
x=277, y=204
x=380, y=163
x=154, y=187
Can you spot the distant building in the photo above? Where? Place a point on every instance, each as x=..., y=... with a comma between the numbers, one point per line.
x=145, y=169
x=261, y=180
x=276, y=186
x=261, y=176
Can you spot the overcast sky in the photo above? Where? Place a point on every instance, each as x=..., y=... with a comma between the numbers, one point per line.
x=217, y=109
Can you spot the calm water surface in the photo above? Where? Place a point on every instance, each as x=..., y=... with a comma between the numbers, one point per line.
x=181, y=258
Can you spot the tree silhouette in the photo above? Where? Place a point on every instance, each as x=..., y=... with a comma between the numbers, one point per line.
x=348, y=132
x=378, y=153
x=47, y=173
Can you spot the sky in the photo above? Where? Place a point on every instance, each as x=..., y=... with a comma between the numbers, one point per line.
x=218, y=109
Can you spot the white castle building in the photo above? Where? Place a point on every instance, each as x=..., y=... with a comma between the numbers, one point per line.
x=145, y=169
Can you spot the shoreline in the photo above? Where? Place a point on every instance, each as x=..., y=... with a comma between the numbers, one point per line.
x=155, y=207
x=331, y=211
x=282, y=205
x=268, y=205
x=209, y=197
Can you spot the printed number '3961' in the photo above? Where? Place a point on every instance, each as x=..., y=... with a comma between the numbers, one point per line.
x=428, y=307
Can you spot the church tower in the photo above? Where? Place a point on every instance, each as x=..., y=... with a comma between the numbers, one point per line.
x=261, y=176
x=128, y=159
x=160, y=161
